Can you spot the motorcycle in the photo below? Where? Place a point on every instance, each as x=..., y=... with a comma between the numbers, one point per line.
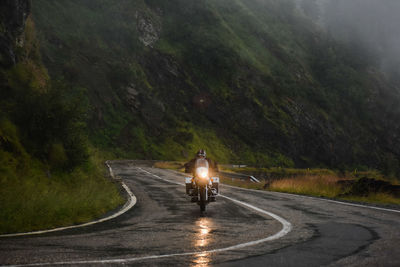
x=201, y=187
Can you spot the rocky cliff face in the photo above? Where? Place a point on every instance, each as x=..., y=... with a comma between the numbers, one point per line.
x=13, y=15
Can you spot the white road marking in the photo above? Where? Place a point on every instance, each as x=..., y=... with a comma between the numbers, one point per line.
x=355, y=205
x=128, y=205
x=317, y=198
x=286, y=228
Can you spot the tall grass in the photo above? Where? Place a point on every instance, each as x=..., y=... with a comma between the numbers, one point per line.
x=39, y=200
x=279, y=172
x=328, y=186
x=309, y=185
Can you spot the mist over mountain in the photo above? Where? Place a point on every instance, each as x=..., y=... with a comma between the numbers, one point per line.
x=372, y=25
x=252, y=81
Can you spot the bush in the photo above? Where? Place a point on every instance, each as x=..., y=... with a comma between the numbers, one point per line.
x=57, y=156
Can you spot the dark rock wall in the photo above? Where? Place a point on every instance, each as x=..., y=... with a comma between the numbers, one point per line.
x=13, y=15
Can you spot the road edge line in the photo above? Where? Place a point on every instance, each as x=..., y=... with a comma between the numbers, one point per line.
x=127, y=206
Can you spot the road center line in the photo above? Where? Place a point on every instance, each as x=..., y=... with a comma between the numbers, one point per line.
x=286, y=228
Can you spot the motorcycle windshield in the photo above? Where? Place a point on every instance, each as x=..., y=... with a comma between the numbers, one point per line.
x=201, y=163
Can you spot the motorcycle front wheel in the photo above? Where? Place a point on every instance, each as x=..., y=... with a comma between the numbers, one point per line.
x=203, y=197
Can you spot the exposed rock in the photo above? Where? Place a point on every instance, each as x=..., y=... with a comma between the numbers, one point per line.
x=13, y=15
x=171, y=66
x=132, y=97
x=153, y=112
x=148, y=28
x=320, y=137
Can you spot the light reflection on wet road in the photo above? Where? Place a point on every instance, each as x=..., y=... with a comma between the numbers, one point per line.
x=201, y=260
x=202, y=239
x=203, y=236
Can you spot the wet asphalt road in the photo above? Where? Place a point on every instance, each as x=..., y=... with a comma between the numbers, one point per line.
x=164, y=222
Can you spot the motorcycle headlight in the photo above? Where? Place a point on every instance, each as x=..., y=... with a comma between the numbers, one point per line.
x=202, y=172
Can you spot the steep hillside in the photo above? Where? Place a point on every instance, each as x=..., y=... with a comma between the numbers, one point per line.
x=48, y=177
x=253, y=81
x=39, y=118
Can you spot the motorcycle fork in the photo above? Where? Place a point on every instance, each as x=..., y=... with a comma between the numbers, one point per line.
x=206, y=194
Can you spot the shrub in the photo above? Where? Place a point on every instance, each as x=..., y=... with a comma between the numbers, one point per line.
x=57, y=156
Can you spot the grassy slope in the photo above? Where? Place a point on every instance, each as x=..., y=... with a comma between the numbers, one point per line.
x=31, y=200
x=117, y=122
x=278, y=91
x=48, y=178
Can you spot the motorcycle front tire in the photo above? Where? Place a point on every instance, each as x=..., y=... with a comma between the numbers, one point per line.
x=203, y=199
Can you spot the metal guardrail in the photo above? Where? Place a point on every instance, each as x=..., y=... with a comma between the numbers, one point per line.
x=239, y=176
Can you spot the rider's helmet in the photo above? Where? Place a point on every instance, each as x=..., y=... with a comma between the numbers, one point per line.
x=201, y=153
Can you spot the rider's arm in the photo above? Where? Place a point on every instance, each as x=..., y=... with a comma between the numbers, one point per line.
x=189, y=166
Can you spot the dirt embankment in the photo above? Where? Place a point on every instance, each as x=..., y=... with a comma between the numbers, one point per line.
x=365, y=186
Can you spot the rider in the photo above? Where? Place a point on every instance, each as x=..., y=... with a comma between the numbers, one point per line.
x=190, y=168
x=201, y=154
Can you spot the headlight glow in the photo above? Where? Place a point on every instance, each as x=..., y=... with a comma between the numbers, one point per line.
x=202, y=172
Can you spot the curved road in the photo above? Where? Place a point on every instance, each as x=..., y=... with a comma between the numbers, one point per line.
x=164, y=228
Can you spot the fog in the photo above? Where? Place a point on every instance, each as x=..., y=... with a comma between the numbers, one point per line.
x=372, y=25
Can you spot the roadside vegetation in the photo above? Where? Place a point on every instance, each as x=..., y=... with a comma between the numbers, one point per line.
x=337, y=188
x=323, y=186
x=35, y=199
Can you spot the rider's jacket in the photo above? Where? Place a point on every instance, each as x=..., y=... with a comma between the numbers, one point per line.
x=213, y=166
